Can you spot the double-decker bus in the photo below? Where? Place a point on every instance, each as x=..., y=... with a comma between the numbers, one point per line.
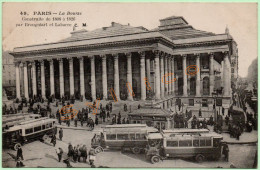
x=27, y=131
x=125, y=136
x=167, y=145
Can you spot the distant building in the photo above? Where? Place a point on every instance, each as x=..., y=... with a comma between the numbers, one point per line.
x=8, y=73
x=119, y=60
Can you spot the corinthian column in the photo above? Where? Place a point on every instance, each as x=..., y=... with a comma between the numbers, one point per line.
x=172, y=77
x=129, y=76
x=157, y=74
x=43, y=79
x=26, y=91
x=211, y=73
x=104, y=76
x=71, y=76
x=162, y=80
x=166, y=78
x=93, y=78
x=226, y=75
x=52, y=77
x=142, y=74
x=116, y=77
x=169, y=72
x=184, y=75
x=61, y=77
x=17, y=80
x=81, y=72
x=34, y=79
x=198, y=76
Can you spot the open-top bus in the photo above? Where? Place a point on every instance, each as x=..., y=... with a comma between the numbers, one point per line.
x=26, y=131
x=167, y=145
x=186, y=131
x=125, y=136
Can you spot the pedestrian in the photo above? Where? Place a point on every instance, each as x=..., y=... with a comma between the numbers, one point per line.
x=92, y=157
x=53, y=140
x=84, y=153
x=96, y=120
x=139, y=106
x=70, y=150
x=19, y=163
x=123, y=121
x=19, y=153
x=226, y=151
x=75, y=154
x=127, y=121
x=76, y=122
x=59, y=152
x=61, y=134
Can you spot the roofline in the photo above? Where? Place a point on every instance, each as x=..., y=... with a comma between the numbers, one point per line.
x=169, y=18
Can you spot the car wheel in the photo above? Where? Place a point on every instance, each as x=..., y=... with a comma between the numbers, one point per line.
x=16, y=146
x=200, y=158
x=155, y=159
x=136, y=150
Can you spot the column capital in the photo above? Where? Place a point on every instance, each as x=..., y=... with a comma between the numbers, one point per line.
x=17, y=63
x=157, y=53
x=24, y=62
x=41, y=61
x=183, y=55
x=80, y=58
x=225, y=53
x=142, y=54
x=128, y=54
x=70, y=59
x=197, y=54
x=115, y=56
x=211, y=54
x=60, y=60
x=91, y=57
x=103, y=56
x=50, y=61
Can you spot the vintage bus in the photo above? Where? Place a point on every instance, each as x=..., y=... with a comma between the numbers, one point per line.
x=200, y=146
x=125, y=136
x=27, y=131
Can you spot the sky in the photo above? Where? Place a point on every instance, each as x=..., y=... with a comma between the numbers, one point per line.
x=240, y=18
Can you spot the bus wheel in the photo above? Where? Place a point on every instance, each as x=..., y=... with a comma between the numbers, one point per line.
x=98, y=149
x=136, y=150
x=16, y=146
x=155, y=159
x=200, y=158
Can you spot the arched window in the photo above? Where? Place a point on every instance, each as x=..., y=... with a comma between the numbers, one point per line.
x=206, y=86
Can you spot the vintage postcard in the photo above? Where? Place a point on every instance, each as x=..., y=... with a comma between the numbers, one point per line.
x=129, y=85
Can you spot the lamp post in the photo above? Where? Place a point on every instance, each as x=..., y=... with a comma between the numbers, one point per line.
x=214, y=95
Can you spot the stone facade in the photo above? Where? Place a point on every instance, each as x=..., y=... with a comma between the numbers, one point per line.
x=111, y=62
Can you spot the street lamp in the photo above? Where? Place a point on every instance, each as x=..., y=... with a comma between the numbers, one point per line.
x=214, y=95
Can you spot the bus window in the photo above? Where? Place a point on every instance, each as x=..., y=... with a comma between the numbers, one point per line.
x=37, y=128
x=111, y=136
x=132, y=136
x=172, y=143
x=208, y=142
x=196, y=142
x=27, y=131
x=43, y=127
x=216, y=142
x=140, y=136
x=185, y=143
x=122, y=137
x=202, y=142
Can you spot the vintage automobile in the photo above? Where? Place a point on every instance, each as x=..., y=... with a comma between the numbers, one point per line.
x=200, y=146
x=27, y=131
x=122, y=137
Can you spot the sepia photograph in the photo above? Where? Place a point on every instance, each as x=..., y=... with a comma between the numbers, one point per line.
x=129, y=85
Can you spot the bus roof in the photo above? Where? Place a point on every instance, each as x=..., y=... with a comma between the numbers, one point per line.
x=128, y=130
x=124, y=126
x=183, y=130
x=210, y=134
x=30, y=124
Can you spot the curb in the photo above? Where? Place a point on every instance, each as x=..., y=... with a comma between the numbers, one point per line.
x=242, y=143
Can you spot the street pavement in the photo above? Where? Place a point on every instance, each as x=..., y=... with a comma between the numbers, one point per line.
x=39, y=154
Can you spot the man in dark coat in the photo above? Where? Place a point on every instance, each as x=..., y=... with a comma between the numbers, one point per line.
x=61, y=134
x=19, y=153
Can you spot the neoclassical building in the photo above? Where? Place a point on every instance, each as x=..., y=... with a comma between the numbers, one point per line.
x=131, y=63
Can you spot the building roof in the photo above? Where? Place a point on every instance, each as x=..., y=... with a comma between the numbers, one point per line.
x=115, y=29
x=151, y=112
